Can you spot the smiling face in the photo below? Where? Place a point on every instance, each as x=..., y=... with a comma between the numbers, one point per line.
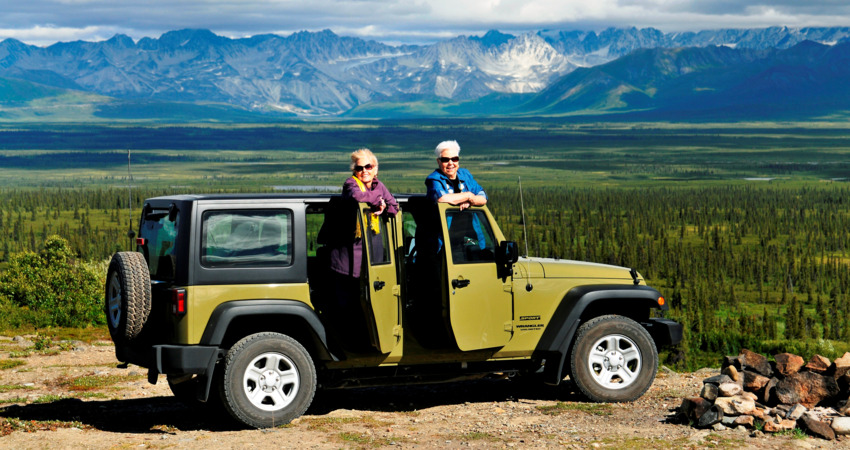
x=448, y=163
x=365, y=170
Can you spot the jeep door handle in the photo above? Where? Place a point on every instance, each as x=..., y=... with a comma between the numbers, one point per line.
x=459, y=283
x=378, y=285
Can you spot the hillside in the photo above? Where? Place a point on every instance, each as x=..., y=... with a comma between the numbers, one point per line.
x=322, y=74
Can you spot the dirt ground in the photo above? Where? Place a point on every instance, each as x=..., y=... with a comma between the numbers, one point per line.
x=76, y=396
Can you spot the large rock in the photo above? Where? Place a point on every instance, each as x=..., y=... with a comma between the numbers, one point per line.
x=756, y=362
x=796, y=412
x=806, y=388
x=712, y=416
x=841, y=425
x=788, y=363
x=735, y=406
x=747, y=421
x=819, y=364
x=717, y=380
x=694, y=407
x=729, y=389
x=754, y=382
x=769, y=395
x=731, y=372
x=817, y=428
x=783, y=425
x=841, y=365
x=709, y=392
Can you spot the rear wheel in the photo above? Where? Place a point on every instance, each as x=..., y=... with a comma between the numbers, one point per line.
x=613, y=359
x=128, y=295
x=269, y=379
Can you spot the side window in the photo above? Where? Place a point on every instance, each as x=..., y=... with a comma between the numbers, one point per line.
x=378, y=237
x=470, y=237
x=160, y=235
x=249, y=238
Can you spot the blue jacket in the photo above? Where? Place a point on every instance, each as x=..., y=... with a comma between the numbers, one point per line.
x=438, y=184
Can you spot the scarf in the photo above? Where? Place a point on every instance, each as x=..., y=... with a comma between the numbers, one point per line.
x=375, y=223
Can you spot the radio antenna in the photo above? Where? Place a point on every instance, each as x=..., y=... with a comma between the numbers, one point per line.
x=130, y=233
x=528, y=286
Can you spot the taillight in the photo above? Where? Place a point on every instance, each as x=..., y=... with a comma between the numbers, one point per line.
x=661, y=301
x=141, y=241
x=178, y=302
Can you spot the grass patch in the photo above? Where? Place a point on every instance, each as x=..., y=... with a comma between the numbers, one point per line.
x=366, y=440
x=13, y=387
x=794, y=433
x=91, y=395
x=93, y=382
x=479, y=436
x=594, y=409
x=14, y=400
x=49, y=398
x=334, y=423
x=9, y=425
x=327, y=423
x=6, y=364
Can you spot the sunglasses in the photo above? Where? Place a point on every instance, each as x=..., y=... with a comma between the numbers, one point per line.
x=444, y=159
x=360, y=168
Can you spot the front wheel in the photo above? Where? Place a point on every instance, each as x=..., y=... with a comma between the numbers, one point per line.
x=269, y=380
x=613, y=359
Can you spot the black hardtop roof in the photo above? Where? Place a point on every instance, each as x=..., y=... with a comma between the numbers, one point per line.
x=257, y=196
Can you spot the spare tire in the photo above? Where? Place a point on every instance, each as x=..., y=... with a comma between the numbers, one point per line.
x=128, y=295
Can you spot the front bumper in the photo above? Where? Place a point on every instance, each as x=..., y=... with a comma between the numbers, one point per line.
x=664, y=331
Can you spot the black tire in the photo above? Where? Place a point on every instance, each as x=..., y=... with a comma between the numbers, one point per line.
x=128, y=295
x=269, y=380
x=613, y=359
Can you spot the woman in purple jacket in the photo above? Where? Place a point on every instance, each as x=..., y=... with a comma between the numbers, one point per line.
x=364, y=187
x=348, y=254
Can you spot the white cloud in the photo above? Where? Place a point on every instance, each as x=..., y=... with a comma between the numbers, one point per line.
x=43, y=22
x=46, y=35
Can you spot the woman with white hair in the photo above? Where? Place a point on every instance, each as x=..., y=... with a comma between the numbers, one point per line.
x=451, y=184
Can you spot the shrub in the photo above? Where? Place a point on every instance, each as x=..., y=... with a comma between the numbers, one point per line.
x=51, y=288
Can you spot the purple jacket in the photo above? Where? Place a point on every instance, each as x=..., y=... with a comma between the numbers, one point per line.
x=347, y=259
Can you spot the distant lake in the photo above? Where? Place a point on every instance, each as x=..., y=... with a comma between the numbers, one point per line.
x=301, y=188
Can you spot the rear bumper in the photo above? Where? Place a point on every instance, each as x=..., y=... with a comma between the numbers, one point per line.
x=664, y=331
x=183, y=359
x=171, y=359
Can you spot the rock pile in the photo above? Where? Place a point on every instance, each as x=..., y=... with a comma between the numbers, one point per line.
x=774, y=396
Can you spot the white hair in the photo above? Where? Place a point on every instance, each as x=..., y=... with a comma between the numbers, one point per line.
x=446, y=145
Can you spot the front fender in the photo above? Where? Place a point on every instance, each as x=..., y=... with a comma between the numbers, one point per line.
x=558, y=336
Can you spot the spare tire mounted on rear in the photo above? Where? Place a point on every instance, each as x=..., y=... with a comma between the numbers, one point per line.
x=128, y=295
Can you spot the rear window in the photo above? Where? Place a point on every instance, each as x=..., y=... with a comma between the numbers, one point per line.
x=160, y=249
x=251, y=238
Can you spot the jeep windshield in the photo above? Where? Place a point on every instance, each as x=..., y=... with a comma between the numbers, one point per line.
x=159, y=233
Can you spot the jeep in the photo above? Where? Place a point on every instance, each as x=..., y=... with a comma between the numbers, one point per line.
x=231, y=297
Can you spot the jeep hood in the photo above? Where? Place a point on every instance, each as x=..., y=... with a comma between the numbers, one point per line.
x=563, y=268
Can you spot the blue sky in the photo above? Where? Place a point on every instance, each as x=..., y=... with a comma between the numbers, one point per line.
x=43, y=22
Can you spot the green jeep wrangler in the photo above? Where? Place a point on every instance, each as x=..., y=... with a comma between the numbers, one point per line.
x=231, y=297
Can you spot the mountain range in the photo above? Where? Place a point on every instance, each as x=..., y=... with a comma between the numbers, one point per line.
x=198, y=75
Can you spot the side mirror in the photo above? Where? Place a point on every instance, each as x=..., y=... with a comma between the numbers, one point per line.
x=506, y=256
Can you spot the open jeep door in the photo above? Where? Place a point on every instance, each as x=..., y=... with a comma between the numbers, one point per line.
x=480, y=303
x=382, y=301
